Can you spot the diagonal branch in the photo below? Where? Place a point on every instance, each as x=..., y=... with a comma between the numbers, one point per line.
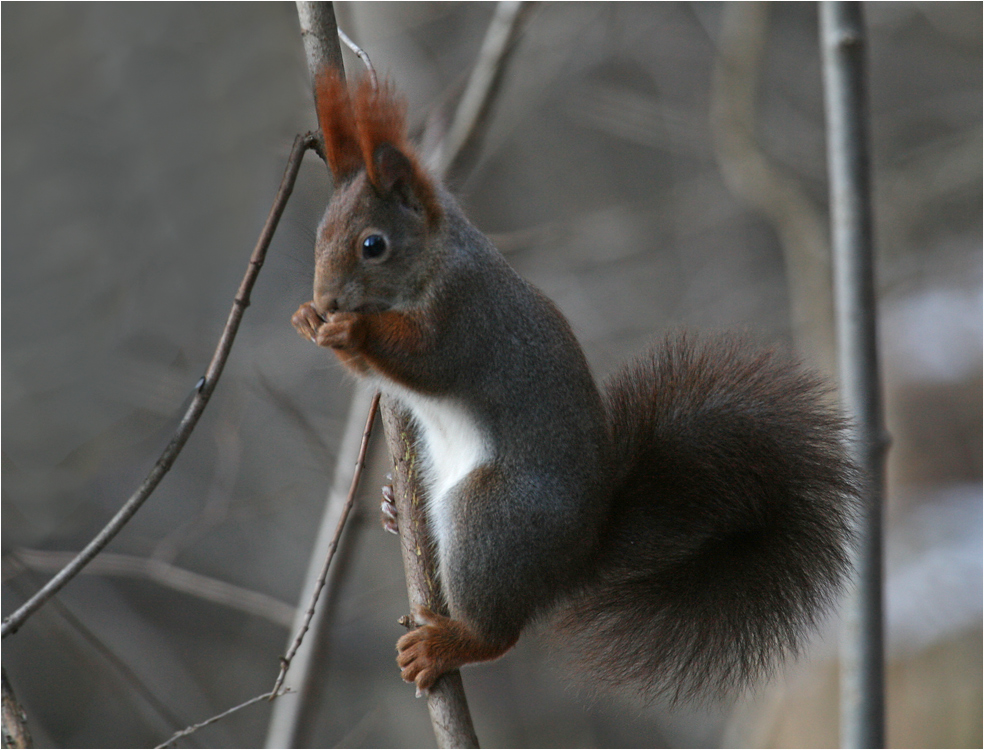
x=349, y=501
x=203, y=391
x=285, y=662
x=218, y=717
x=170, y=576
x=361, y=54
x=483, y=85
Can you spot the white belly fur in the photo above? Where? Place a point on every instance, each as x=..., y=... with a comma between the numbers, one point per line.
x=453, y=446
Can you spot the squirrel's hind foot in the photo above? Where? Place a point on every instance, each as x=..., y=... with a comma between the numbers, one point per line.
x=438, y=645
x=388, y=510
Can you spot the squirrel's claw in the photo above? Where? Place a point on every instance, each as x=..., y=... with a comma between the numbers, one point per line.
x=388, y=509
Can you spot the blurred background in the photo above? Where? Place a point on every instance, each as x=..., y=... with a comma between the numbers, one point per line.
x=650, y=166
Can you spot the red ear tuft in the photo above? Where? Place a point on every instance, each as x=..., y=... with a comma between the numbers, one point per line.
x=337, y=121
x=380, y=118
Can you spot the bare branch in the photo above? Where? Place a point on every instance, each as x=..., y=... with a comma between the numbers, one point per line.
x=319, y=34
x=218, y=717
x=758, y=182
x=446, y=699
x=172, y=577
x=483, y=84
x=862, y=651
x=203, y=391
x=349, y=501
x=287, y=717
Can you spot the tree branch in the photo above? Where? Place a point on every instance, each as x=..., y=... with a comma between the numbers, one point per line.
x=446, y=699
x=285, y=662
x=361, y=54
x=349, y=501
x=757, y=181
x=862, y=653
x=171, y=576
x=203, y=391
x=15, y=732
x=483, y=85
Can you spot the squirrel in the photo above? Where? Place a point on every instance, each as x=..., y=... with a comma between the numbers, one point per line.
x=687, y=525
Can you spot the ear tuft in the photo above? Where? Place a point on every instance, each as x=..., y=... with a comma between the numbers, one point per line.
x=390, y=162
x=368, y=130
x=337, y=121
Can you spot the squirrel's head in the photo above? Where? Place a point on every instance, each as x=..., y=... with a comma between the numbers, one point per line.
x=371, y=252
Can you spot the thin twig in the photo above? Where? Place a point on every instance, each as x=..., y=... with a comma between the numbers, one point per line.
x=287, y=720
x=361, y=53
x=356, y=476
x=171, y=576
x=203, y=391
x=218, y=717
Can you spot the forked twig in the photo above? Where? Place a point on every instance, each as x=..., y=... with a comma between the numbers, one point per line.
x=278, y=688
x=203, y=391
x=349, y=501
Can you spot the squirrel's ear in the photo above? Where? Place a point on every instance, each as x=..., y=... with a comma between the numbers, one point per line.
x=398, y=175
x=393, y=173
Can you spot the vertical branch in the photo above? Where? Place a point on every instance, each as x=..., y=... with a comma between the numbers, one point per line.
x=862, y=648
x=446, y=700
x=319, y=32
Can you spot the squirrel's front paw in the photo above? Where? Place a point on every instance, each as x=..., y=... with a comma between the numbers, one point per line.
x=307, y=320
x=340, y=330
x=419, y=651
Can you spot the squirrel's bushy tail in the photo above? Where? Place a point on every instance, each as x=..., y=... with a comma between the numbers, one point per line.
x=730, y=520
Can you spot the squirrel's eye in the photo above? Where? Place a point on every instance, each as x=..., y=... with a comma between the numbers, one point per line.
x=373, y=246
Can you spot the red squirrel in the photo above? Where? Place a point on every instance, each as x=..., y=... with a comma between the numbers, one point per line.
x=688, y=523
